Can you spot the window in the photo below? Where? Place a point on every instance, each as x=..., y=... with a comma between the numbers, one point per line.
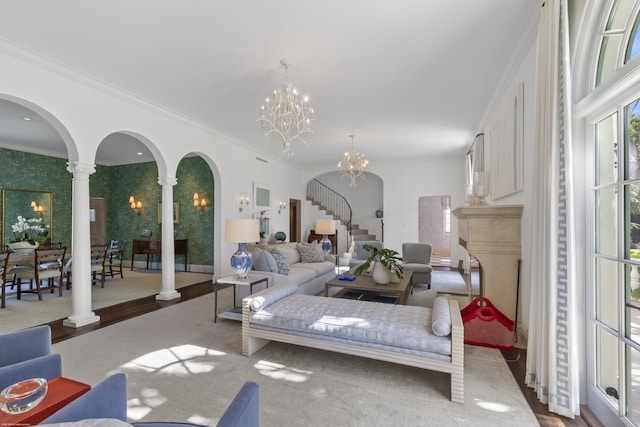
x=447, y=220
x=615, y=187
x=618, y=44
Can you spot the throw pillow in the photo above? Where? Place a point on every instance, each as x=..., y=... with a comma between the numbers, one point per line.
x=264, y=261
x=281, y=261
x=441, y=317
x=310, y=252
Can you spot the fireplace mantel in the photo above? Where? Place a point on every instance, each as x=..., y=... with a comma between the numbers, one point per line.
x=491, y=233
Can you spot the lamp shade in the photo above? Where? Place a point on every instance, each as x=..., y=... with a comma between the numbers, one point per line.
x=325, y=226
x=242, y=230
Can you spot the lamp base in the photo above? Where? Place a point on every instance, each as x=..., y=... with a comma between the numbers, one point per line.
x=326, y=244
x=241, y=261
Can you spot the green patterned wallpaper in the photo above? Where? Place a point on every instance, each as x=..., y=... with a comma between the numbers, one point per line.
x=116, y=184
x=26, y=171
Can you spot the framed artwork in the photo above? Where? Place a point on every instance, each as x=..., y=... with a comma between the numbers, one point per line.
x=261, y=196
x=176, y=212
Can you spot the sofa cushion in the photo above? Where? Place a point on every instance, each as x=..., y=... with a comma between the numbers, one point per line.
x=441, y=317
x=281, y=261
x=291, y=254
x=264, y=261
x=299, y=275
x=319, y=268
x=310, y=252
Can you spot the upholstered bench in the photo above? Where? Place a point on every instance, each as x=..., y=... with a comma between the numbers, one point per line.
x=415, y=336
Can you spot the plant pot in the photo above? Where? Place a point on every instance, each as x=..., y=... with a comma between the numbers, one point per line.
x=23, y=248
x=380, y=274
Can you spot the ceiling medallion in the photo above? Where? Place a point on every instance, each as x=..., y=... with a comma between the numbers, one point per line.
x=353, y=164
x=287, y=115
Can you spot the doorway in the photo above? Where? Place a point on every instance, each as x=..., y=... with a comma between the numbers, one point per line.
x=98, y=220
x=434, y=227
x=295, y=224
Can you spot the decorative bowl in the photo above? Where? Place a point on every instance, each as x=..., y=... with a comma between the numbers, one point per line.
x=23, y=396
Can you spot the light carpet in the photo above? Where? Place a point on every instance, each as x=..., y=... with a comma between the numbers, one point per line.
x=445, y=282
x=29, y=311
x=183, y=367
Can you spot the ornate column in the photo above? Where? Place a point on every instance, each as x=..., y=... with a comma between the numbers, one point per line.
x=81, y=248
x=492, y=234
x=168, y=291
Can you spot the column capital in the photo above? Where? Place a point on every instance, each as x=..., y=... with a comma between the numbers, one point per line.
x=167, y=180
x=81, y=170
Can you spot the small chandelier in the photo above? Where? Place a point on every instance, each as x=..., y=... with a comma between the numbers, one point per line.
x=353, y=164
x=287, y=114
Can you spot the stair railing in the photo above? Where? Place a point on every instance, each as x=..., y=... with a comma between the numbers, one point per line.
x=332, y=202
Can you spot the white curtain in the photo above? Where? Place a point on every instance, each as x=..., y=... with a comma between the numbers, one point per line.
x=552, y=368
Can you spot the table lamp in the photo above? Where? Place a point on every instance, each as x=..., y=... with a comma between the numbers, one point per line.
x=325, y=227
x=242, y=231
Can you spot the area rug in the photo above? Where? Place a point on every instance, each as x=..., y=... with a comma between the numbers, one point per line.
x=181, y=366
x=29, y=311
x=445, y=282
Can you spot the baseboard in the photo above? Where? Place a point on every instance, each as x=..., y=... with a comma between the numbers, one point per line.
x=192, y=268
x=522, y=336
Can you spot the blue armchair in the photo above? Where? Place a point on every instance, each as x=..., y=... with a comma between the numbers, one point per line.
x=27, y=354
x=109, y=400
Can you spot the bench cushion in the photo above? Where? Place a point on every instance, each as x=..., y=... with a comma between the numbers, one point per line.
x=440, y=317
x=274, y=294
x=364, y=323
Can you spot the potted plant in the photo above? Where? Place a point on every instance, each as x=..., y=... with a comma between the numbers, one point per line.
x=27, y=235
x=386, y=261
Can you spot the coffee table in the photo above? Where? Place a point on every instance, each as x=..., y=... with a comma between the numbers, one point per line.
x=60, y=392
x=366, y=283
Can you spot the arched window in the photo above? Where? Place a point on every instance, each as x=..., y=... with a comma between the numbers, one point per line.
x=613, y=127
x=619, y=39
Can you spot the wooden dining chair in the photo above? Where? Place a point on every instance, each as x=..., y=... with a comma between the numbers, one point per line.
x=4, y=259
x=98, y=261
x=116, y=255
x=47, y=266
x=17, y=263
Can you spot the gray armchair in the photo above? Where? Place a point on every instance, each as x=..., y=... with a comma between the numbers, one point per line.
x=417, y=258
x=361, y=255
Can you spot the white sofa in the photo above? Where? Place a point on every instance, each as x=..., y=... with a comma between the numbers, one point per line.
x=428, y=338
x=309, y=277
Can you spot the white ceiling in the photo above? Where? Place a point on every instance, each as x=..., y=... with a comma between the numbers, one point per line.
x=410, y=78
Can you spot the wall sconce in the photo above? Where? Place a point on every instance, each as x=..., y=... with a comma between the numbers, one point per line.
x=199, y=203
x=39, y=209
x=244, y=201
x=136, y=206
x=282, y=206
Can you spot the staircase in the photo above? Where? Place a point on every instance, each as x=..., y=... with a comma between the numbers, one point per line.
x=334, y=204
x=361, y=234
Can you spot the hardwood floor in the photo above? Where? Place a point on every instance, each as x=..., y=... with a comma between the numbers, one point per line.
x=516, y=359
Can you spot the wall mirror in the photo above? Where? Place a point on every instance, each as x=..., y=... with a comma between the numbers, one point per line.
x=29, y=204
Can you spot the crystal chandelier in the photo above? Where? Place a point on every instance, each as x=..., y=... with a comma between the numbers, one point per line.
x=286, y=115
x=353, y=164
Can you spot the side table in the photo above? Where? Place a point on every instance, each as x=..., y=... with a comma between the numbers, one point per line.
x=61, y=391
x=236, y=312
